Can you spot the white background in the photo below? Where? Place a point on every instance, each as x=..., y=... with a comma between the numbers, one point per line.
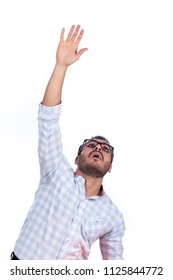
x=120, y=88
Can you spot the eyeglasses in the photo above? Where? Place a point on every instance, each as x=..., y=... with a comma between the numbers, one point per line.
x=91, y=143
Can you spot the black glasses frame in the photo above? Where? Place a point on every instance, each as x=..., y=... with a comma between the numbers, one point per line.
x=99, y=143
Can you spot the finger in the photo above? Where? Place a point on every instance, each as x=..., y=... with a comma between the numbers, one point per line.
x=70, y=33
x=76, y=33
x=62, y=34
x=81, y=52
x=79, y=38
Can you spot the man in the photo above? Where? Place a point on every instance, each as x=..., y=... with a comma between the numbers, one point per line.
x=70, y=210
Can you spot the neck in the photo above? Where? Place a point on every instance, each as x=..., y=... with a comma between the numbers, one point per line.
x=92, y=185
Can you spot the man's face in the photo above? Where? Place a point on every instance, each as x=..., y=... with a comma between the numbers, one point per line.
x=95, y=158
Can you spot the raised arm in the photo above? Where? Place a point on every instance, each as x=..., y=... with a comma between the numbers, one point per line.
x=67, y=53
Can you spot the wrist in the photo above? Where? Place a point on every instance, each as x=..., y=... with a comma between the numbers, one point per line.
x=61, y=67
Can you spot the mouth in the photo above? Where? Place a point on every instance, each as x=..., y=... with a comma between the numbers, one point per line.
x=96, y=155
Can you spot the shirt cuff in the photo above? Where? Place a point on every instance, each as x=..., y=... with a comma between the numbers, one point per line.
x=49, y=112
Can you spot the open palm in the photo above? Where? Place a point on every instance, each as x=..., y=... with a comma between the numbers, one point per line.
x=67, y=52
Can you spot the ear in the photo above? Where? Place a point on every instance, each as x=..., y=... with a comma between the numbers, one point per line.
x=76, y=160
x=110, y=168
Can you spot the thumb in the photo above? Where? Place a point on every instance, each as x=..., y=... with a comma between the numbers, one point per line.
x=81, y=52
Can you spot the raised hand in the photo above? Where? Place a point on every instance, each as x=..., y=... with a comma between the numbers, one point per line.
x=67, y=52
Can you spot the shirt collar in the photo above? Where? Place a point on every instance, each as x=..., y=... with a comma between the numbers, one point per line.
x=101, y=191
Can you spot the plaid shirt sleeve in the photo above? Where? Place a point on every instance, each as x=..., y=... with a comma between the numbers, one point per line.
x=111, y=243
x=49, y=140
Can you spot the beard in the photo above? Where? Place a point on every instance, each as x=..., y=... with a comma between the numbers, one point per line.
x=92, y=168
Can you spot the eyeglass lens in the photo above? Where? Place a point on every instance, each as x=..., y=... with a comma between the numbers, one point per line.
x=93, y=143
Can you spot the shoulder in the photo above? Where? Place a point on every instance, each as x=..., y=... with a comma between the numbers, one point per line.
x=112, y=209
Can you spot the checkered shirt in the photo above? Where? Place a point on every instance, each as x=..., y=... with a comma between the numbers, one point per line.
x=62, y=223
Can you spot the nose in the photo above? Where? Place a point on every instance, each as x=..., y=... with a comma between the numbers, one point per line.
x=98, y=147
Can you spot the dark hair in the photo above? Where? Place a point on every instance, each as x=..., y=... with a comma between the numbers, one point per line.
x=96, y=137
